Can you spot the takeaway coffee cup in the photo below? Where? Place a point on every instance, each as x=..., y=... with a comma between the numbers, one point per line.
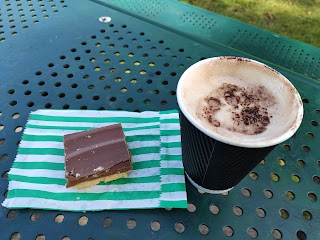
x=233, y=112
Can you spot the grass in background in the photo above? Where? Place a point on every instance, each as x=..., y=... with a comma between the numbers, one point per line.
x=298, y=19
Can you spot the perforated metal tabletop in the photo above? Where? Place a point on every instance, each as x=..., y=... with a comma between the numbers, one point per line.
x=58, y=55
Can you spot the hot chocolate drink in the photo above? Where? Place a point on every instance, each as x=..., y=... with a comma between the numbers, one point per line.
x=238, y=100
x=234, y=111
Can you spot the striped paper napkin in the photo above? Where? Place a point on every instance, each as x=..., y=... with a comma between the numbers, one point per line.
x=36, y=179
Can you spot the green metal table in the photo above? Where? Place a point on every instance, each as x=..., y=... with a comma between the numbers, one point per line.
x=58, y=55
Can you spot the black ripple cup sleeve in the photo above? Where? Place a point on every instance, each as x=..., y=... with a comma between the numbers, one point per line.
x=213, y=162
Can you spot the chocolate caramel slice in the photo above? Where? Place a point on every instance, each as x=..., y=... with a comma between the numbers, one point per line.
x=94, y=156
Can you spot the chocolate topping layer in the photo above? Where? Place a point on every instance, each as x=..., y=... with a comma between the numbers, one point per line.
x=248, y=107
x=95, y=153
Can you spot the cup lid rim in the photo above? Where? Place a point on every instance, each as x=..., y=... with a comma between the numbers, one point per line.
x=219, y=137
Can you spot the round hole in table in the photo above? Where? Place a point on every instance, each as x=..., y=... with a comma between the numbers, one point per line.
x=40, y=237
x=312, y=196
x=276, y=233
x=261, y=212
x=306, y=215
x=155, y=226
x=13, y=103
x=179, y=227
x=11, y=91
x=11, y=214
x=18, y=129
x=131, y=224
x=15, y=116
x=310, y=135
x=301, y=163
x=4, y=157
x=59, y=218
x=284, y=214
x=252, y=232
x=290, y=195
x=228, y=231
x=286, y=147
x=214, y=209
x=48, y=105
x=146, y=101
x=245, y=192
x=275, y=177
x=295, y=178
x=2, y=141
x=5, y=175
x=201, y=191
x=173, y=74
x=316, y=179
x=268, y=193
x=124, y=89
x=191, y=207
x=237, y=210
x=30, y=104
x=281, y=162
x=301, y=235
x=306, y=148
x=15, y=236
x=83, y=220
x=203, y=229
x=35, y=216
x=253, y=175
x=107, y=222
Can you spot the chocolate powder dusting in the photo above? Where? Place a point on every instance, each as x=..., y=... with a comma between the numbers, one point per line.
x=248, y=107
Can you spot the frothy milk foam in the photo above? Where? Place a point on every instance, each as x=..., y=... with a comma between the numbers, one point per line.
x=240, y=99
